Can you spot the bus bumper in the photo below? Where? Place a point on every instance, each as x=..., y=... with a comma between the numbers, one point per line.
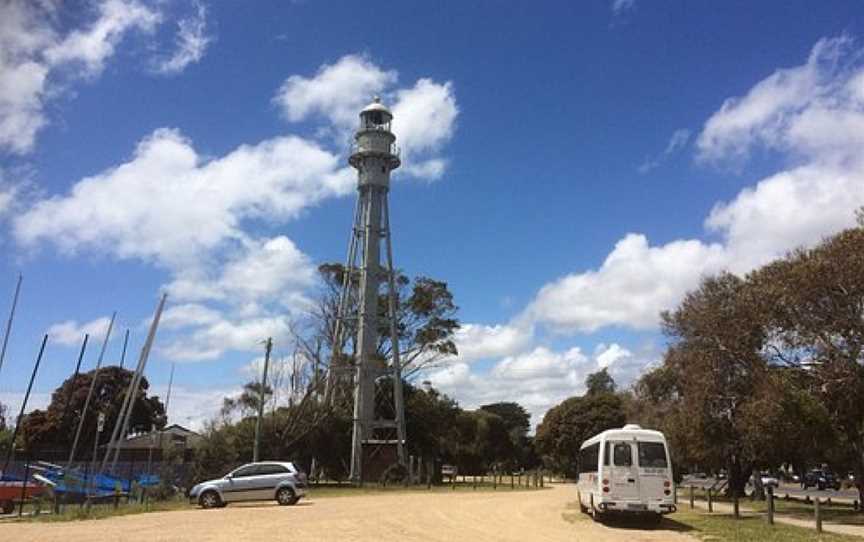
x=637, y=507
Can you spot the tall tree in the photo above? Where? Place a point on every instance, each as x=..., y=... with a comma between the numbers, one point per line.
x=425, y=314
x=599, y=382
x=815, y=310
x=55, y=426
x=566, y=425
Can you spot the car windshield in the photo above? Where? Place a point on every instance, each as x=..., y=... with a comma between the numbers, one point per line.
x=652, y=455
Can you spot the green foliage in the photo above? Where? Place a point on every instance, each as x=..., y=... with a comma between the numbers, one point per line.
x=599, y=382
x=55, y=426
x=571, y=422
x=768, y=369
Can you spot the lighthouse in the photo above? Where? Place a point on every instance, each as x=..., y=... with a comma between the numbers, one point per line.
x=378, y=434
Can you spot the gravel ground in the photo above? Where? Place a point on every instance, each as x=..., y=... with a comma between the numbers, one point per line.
x=547, y=515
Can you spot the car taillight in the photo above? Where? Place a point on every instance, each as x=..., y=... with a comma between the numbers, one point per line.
x=667, y=483
x=605, y=489
x=667, y=492
x=605, y=482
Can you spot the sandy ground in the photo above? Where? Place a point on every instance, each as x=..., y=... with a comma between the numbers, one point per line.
x=439, y=516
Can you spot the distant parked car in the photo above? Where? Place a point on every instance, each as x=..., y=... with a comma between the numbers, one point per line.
x=767, y=480
x=821, y=480
x=448, y=471
x=262, y=481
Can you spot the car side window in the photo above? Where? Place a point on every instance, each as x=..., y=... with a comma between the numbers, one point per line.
x=272, y=469
x=251, y=470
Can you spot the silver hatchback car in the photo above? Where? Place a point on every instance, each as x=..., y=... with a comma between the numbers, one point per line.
x=261, y=481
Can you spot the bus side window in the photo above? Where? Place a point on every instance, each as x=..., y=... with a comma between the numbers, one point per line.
x=606, y=454
x=622, y=454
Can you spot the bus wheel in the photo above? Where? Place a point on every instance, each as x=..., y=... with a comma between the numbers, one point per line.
x=595, y=514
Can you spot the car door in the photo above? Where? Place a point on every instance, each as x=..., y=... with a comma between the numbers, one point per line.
x=240, y=486
x=625, y=473
x=268, y=477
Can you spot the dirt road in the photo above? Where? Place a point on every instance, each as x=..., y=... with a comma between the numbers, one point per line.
x=430, y=517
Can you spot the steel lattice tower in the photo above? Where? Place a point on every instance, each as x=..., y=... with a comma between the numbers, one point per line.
x=379, y=417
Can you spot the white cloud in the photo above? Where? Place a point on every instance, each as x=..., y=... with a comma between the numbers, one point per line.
x=71, y=333
x=192, y=408
x=537, y=379
x=477, y=341
x=424, y=116
x=813, y=110
x=337, y=91
x=186, y=315
x=424, y=119
x=635, y=282
x=93, y=45
x=608, y=355
x=32, y=52
x=191, y=40
x=211, y=341
x=814, y=114
x=176, y=207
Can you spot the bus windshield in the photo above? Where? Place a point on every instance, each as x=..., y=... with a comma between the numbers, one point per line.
x=652, y=455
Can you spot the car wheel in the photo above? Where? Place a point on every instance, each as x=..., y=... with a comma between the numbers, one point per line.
x=210, y=499
x=286, y=497
x=582, y=507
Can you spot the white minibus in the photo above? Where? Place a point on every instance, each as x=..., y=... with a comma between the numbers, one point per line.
x=626, y=470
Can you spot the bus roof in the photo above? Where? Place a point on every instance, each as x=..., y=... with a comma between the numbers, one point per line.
x=628, y=432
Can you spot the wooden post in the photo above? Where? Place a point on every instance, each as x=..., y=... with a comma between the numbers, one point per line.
x=519, y=479
x=692, y=496
x=475, y=481
x=512, y=485
x=736, y=509
x=817, y=508
x=770, y=505
x=494, y=480
x=710, y=502
x=541, y=479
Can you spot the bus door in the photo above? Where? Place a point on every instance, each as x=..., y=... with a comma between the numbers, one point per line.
x=624, y=472
x=654, y=471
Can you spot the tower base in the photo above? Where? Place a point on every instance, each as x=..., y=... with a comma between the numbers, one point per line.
x=377, y=458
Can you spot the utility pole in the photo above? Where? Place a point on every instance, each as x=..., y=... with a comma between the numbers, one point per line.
x=256, y=450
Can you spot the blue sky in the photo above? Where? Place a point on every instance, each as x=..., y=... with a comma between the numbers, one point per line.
x=571, y=169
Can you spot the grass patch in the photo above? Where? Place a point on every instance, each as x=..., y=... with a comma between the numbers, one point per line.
x=721, y=528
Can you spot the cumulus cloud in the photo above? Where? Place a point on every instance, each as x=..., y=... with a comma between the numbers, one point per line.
x=635, y=282
x=32, y=52
x=476, y=341
x=211, y=341
x=71, y=333
x=177, y=206
x=424, y=115
x=337, y=92
x=191, y=42
x=812, y=114
x=538, y=378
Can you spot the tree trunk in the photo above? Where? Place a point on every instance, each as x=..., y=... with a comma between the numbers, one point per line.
x=758, y=488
